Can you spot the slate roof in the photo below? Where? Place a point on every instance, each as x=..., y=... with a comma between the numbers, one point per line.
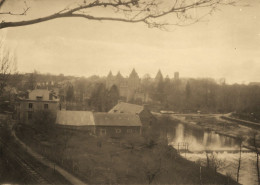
x=87, y=118
x=128, y=108
x=105, y=119
x=75, y=118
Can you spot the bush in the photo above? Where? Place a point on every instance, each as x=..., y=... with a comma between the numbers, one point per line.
x=44, y=120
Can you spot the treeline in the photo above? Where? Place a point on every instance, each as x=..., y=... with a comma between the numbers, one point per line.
x=204, y=95
x=179, y=95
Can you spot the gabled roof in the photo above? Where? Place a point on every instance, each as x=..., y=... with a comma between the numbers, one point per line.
x=105, y=119
x=75, y=118
x=87, y=118
x=128, y=108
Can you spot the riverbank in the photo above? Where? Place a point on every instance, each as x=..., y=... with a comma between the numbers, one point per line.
x=208, y=148
x=125, y=161
x=220, y=126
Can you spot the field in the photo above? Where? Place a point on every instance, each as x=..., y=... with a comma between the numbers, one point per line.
x=138, y=160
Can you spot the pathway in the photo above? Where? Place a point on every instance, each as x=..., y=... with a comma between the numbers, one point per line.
x=71, y=178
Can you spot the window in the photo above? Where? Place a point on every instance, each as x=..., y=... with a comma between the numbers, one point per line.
x=102, y=131
x=118, y=130
x=46, y=106
x=29, y=115
x=129, y=131
x=30, y=105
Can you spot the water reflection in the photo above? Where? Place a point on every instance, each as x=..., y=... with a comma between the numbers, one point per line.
x=199, y=140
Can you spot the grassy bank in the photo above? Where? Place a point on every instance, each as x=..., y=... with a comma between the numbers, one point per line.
x=138, y=160
x=13, y=158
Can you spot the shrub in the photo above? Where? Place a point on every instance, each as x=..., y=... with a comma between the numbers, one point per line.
x=44, y=120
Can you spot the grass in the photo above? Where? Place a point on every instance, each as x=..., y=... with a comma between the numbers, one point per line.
x=12, y=171
x=129, y=160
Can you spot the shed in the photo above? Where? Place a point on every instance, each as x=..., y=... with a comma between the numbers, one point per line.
x=76, y=119
x=117, y=125
x=146, y=117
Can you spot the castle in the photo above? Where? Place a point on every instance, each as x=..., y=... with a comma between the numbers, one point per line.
x=129, y=88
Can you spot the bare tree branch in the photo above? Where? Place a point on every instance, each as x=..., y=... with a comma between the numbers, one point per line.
x=149, y=12
x=2, y=3
x=7, y=66
x=26, y=8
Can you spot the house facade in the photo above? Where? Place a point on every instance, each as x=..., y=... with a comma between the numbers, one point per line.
x=117, y=125
x=37, y=100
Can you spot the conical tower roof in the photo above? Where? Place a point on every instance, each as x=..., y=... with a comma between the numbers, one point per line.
x=119, y=75
x=133, y=74
x=159, y=76
x=110, y=74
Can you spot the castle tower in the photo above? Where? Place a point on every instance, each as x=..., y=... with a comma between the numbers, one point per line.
x=121, y=84
x=119, y=76
x=134, y=80
x=133, y=84
x=158, y=77
x=109, y=80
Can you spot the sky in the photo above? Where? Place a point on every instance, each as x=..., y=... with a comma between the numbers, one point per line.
x=223, y=45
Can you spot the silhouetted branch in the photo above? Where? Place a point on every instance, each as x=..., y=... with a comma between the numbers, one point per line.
x=26, y=8
x=149, y=12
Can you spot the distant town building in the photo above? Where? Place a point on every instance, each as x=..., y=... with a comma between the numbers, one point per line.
x=101, y=124
x=37, y=100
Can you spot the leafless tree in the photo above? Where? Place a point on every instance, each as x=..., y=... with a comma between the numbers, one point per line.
x=256, y=150
x=154, y=13
x=7, y=66
x=240, y=139
x=213, y=162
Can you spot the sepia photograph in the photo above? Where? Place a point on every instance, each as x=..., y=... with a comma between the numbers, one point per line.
x=130, y=92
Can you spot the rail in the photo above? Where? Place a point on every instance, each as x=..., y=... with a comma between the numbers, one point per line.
x=27, y=166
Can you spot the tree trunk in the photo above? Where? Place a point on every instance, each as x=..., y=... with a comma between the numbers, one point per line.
x=257, y=167
x=239, y=162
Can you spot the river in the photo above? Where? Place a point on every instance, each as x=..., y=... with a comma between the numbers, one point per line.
x=193, y=143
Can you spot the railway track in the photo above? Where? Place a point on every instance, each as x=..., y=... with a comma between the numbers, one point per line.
x=31, y=168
